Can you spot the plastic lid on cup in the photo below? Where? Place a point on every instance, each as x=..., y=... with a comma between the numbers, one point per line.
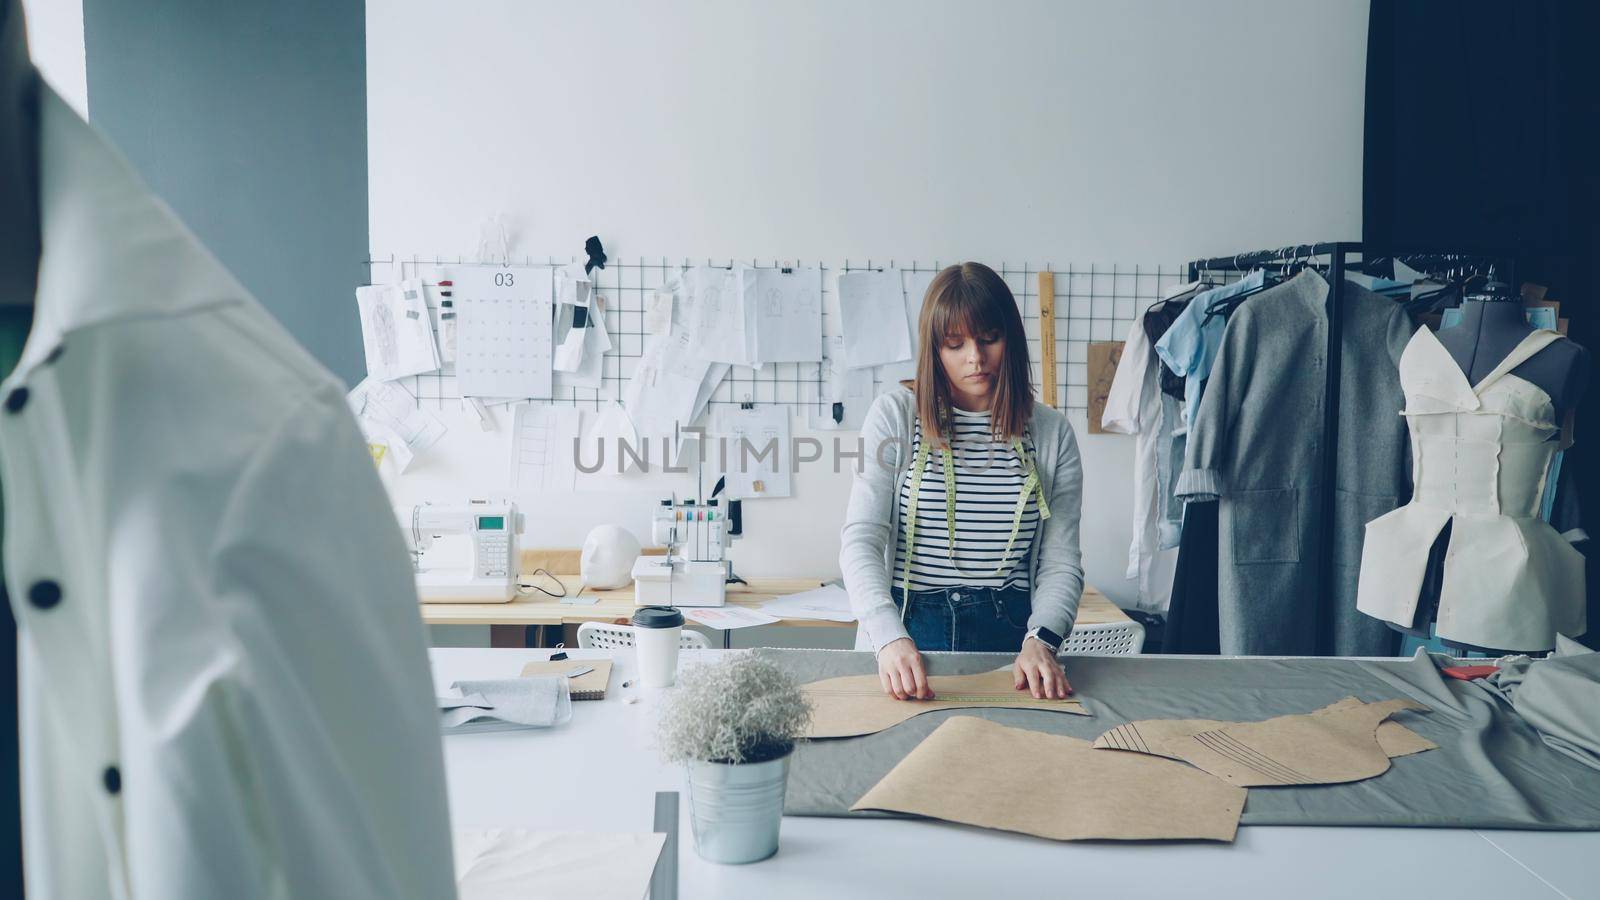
x=657, y=617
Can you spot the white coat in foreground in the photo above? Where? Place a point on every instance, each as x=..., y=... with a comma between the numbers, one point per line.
x=224, y=685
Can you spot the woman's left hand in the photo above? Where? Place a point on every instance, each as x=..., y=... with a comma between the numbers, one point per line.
x=1037, y=670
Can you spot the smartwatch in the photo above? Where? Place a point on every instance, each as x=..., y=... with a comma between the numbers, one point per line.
x=1045, y=636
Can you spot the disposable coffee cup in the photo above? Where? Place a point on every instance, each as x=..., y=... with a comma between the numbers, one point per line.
x=656, y=633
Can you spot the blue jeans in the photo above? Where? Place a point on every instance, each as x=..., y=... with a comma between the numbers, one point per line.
x=970, y=619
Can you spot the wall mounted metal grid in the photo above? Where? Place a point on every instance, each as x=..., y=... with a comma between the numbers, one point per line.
x=1093, y=303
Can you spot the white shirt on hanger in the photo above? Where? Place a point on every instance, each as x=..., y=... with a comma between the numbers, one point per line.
x=1133, y=406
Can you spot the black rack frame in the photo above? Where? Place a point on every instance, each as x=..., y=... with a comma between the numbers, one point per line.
x=1339, y=261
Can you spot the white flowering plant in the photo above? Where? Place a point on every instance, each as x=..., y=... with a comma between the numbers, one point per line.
x=743, y=709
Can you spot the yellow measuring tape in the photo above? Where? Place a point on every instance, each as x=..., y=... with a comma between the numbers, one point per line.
x=1030, y=484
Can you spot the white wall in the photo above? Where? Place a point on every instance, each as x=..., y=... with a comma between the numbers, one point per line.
x=1046, y=132
x=55, y=41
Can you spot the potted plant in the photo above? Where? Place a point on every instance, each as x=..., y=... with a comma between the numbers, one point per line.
x=733, y=724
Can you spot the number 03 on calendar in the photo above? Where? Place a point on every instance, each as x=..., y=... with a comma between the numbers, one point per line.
x=504, y=331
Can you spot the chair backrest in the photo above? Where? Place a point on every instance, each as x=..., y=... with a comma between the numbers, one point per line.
x=600, y=636
x=1107, y=639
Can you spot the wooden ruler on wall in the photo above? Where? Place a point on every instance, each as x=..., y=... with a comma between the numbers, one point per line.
x=1047, y=337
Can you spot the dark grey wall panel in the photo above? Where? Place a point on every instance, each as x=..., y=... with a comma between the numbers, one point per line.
x=250, y=120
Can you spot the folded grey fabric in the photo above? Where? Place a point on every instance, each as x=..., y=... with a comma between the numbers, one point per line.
x=1559, y=696
x=505, y=704
x=1493, y=769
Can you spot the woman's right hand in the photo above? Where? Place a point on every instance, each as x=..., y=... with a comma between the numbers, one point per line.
x=900, y=670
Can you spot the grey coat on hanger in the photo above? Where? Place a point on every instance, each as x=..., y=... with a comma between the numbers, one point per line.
x=1255, y=446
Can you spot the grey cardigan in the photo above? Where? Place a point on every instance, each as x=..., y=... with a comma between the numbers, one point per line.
x=872, y=520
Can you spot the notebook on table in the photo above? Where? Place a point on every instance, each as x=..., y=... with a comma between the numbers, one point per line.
x=590, y=685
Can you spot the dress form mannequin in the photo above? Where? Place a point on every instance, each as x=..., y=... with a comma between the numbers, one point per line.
x=1491, y=328
x=1492, y=325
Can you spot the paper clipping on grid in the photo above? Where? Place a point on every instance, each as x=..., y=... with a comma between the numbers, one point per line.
x=846, y=393
x=544, y=439
x=658, y=312
x=389, y=416
x=752, y=450
x=670, y=385
x=787, y=309
x=872, y=311
x=574, y=292
x=718, y=316
x=916, y=283
x=396, y=331
x=589, y=373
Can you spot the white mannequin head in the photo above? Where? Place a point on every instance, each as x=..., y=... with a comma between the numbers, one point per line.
x=608, y=556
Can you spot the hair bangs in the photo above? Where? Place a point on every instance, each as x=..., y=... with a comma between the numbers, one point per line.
x=963, y=310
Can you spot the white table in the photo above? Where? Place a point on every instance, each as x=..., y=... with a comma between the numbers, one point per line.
x=600, y=772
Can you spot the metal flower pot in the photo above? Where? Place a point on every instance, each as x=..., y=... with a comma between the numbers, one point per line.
x=736, y=809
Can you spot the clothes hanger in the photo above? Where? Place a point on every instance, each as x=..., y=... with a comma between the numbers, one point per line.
x=1227, y=305
x=1453, y=283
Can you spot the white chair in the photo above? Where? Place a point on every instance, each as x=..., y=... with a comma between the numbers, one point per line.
x=599, y=636
x=1108, y=639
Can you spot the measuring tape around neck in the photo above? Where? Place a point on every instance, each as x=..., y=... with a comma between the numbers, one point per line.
x=1030, y=484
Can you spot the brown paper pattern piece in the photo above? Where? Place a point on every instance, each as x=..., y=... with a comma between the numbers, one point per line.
x=1346, y=741
x=977, y=772
x=853, y=705
x=1148, y=735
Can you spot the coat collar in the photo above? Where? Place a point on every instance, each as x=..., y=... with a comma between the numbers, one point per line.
x=111, y=250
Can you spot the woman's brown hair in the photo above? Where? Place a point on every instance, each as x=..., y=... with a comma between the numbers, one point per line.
x=971, y=299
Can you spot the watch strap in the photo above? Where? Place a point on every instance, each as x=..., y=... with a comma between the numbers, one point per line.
x=1047, y=637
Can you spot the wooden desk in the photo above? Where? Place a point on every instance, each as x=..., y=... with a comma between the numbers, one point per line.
x=508, y=622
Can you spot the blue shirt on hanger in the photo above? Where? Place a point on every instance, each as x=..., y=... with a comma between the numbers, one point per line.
x=1190, y=346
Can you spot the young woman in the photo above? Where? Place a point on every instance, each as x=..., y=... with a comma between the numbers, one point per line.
x=962, y=528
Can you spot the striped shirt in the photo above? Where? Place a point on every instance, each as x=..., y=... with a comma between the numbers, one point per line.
x=989, y=477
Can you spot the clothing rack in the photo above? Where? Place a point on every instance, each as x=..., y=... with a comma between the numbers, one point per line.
x=1342, y=257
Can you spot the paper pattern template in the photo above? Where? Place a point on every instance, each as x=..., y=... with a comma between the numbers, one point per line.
x=719, y=320
x=830, y=604
x=723, y=618
x=976, y=772
x=788, y=313
x=763, y=469
x=658, y=312
x=1149, y=735
x=853, y=705
x=1336, y=744
x=916, y=290
x=389, y=416
x=668, y=383
x=872, y=310
x=543, y=442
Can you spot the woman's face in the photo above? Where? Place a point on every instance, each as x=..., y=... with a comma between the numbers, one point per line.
x=971, y=365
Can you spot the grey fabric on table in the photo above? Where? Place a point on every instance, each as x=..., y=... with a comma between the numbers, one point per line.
x=1558, y=696
x=505, y=703
x=1492, y=770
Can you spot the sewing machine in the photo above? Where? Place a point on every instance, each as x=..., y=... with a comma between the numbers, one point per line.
x=694, y=572
x=490, y=529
